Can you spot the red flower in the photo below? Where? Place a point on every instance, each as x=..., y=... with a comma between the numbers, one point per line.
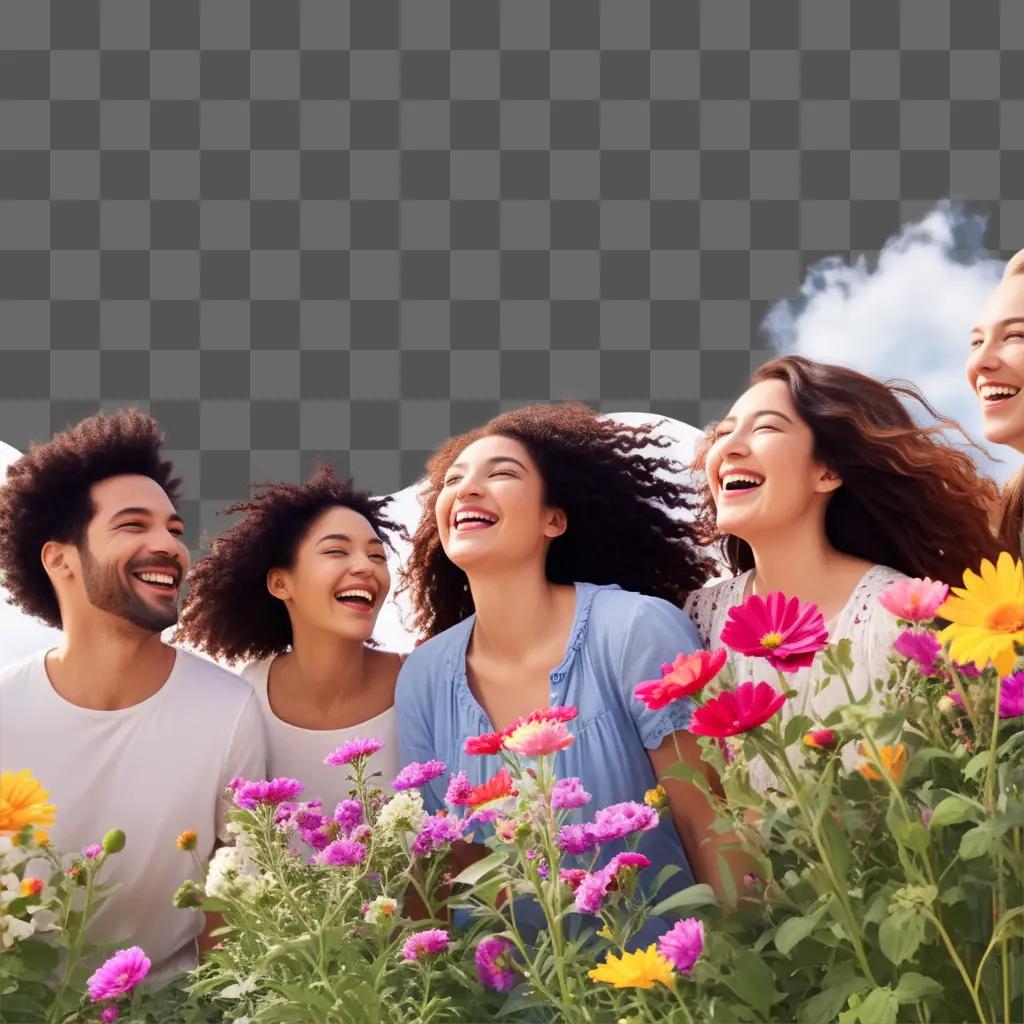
x=736, y=711
x=496, y=787
x=823, y=739
x=783, y=631
x=687, y=675
x=488, y=743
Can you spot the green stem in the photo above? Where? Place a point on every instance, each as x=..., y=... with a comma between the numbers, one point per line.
x=955, y=957
x=75, y=949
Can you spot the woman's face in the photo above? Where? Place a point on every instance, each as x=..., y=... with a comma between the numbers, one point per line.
x=995, y=367
x=340, y=577
x=761, y=468
x=490, y=511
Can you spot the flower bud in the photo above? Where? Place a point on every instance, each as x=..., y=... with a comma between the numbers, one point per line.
x=656, y=798
x=113, y=841
x=188, y=896
x=821, y=739
x=187, y=841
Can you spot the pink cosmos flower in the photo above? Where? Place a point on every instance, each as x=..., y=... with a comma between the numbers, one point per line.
x=683, y=944
x=921, y=647
x=687, y=675
x=785, y=632
x=736, y=711
x=92, y=851
x=913, y=600
x=536, y=739
x=494, y=963
x=119, y=974
x=1011, y=696
x=567, y=794
x=269, y=792
x=353, y=750
x=342, y=853
x=425, y=943
x=416, y=774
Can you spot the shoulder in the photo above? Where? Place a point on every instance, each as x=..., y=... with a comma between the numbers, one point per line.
x=211, y=687
x=20, y=673
x=430, y=662
x=708, y=606
x=255, y=673
x=624, y=616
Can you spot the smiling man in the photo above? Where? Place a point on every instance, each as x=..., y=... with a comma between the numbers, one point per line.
x=123, y=730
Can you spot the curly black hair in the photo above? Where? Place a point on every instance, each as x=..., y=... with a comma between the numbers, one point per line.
x=229, y=613
x=46, y=496
x=616, y=503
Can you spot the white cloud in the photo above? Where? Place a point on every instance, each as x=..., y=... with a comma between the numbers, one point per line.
x=909, y=317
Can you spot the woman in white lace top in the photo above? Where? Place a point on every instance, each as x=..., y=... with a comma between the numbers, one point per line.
x=820, y=485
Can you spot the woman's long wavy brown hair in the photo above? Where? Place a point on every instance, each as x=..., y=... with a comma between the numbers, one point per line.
x=616, y=503
x=909, y=499
x=229, y=613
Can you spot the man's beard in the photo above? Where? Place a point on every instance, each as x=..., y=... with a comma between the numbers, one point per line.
x=105, y=591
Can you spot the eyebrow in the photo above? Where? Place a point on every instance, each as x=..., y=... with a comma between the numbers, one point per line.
x=977, y=328
x=345, y=539
x=760, y=413
x=139, y=511
x=491, y=461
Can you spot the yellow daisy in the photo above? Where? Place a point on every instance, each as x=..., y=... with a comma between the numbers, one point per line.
x=986, y=615
x=23, y=802
x=642, y=969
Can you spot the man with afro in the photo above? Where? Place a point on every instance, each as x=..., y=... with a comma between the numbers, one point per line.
x=123, y=730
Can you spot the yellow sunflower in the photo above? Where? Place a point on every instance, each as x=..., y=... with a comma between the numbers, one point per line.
x=23, y=802
x=986, y=615
x=642, y=969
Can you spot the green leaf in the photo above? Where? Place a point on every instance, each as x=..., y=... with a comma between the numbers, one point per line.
x=795, y=728
x=473, y=874
x=953, y=810
x=900, y=934
x=39, y=957
x=978, y=841
x=792, y=931
x=915, y=987
x=880, y=1007
x=976, y=765
x=753, y=982
x=688, y=773
x=920, y=761
x=662, y=877
x=686, y=899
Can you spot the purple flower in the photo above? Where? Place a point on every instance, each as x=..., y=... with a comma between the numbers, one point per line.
x=308, y=815
x=353, y=750
x=416, y=774
x=119, y=974
x=968, y=669
x=92, y=851
x=485, y=816
x=576, y=839
x=493, y=963
x=438, y=830
x=111, y=1013
x=318, y=838
x=284, y=816
x=591, y=891
x=342, y=853
x=568, y=794
x=348, y=814
x=619, y=820
x=427, y=943
x=1011, y=696
x=921, y=647
x=269, y=792
x=683, y=944
x=926, y=815
x=459, y=788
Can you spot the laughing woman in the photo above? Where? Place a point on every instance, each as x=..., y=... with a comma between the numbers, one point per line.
x=546, y=571
x=820, y=485
x=294, y=588
x=995, y=370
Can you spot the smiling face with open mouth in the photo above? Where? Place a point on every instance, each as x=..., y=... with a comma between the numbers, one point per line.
x=339, y=577
x=761, y=467
x=995, y=367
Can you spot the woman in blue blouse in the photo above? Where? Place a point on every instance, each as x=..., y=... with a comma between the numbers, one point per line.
x=546, y=570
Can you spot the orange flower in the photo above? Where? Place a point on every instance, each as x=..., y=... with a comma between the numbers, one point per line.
x=31, y=886
x=894, y=762
x=187, y=841
x=23, y=802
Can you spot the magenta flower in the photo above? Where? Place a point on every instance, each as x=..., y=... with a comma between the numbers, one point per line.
x=626, y=860
x=494, y=963
x=736, y=711
x=111, y=1013
x=968, y=669
x=269, y=792
x=576, y=839
x=92, y=851
x=353, y=750
x=348, y=814
x=119, y=974
x=913, y=600
x=459, y=788
x=342, y=853
x=592, y=891
x=437, y=832
x=567, y=794
x=1011, y=696
x=683, y=944
x=921, y=647
x=785, y=632
x=426, y=943
x=415, y=774
x=620, y=820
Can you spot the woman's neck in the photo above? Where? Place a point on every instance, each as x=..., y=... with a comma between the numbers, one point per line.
x=328, y=668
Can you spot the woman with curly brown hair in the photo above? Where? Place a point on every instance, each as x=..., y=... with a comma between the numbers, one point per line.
x=546, y=570
x=294, y=588
x=819, y=484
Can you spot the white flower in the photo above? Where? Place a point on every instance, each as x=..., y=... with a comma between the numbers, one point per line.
x=11, y=855
x=403, y=812
x=10, y=888
x=230, y=876
x=12, y=930
x=379, y=910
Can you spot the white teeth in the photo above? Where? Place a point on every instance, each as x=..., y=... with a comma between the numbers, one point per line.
x=996, y=391
x=156, y=577
x=745, y=478
x=474, y=517
x=354, y=593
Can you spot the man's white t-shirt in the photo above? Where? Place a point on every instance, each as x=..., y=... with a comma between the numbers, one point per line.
x=155, y=770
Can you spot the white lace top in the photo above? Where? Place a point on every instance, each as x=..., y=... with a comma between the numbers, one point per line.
x=862, y=620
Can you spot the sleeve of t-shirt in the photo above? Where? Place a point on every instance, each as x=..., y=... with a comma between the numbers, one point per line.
x=246, y=757
x=415, y=722
x=657, y=632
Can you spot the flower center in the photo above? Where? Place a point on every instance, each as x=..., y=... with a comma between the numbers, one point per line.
x=1005, y=618
x=772, y=640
